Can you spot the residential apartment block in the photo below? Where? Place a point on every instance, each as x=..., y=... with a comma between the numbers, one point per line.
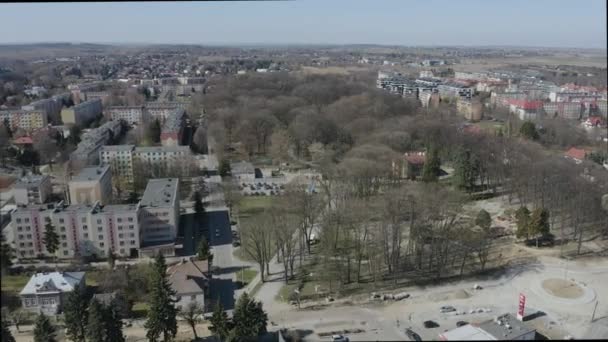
x=91, y=185
x=471, y=109
x=82, y=113
x=83, y=230
x=159, y=216
x=51, y=107
x=33, y=189
x=162, y=110
x=25, y=119
x=87, y=152
x=124, y=158
x=130, y=114
x=171, y=133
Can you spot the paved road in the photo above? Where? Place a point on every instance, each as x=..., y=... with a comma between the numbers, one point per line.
x=222, y=282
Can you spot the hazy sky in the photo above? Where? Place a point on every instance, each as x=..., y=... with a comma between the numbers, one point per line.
x=555, y=23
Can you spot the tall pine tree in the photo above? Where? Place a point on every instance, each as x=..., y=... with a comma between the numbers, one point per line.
x=75, y=316
x=113, y=323
x=51, y=238
x=6, y=333
x=522, y=217
x=539, y=223
x=6, y=254
x=432, y=164
x=250, y=320
x=162, y=313
x=96, y=329
x=220, y=325
x=44, y=331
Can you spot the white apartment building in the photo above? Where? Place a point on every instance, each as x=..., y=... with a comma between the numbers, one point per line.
x=91, y=185
x=123, y=158
x=33, y=189
x=162, y=110
x=26, y=119
x=159, y=215
x=83, y=230
x=130, y=114
x=120, y=160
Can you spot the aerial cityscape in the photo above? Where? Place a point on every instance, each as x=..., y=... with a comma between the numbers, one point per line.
x=304, y=171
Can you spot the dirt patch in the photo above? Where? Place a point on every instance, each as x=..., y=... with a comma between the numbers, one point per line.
x=562, y=288
x=457, y=294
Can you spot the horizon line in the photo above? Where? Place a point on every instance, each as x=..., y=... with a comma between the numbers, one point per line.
x=237, y=44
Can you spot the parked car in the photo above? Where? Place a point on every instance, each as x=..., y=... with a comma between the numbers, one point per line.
x=412, y=335
x=339, y=338
x=448, y=308
x=430, y=324
x=461, y=323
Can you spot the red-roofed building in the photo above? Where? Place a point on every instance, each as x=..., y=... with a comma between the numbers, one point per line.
x=525, y=109
x=24, y=140
x=411, y=165
x=594, y=121
x=576, y=154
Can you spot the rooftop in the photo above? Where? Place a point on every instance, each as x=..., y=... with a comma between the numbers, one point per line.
x=241, y=167
x=189, y=276
x=91, y=173
x=466, y=333
x=118, y=148
x=505, y=327
x=52, y=282
x=576, y=153
x=148, y=149
x=160, y=192
x=30, y=181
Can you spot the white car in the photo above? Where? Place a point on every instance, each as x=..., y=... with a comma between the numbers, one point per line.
x=339, y=338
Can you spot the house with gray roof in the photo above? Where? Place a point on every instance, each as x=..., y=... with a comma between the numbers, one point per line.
x=190, y=281
x=46, y=292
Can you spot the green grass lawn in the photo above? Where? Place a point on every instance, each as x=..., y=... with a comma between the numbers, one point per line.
x=140, y=309
x=490, y=126
x=254, y=204
x=246, y=276
x=14, y=283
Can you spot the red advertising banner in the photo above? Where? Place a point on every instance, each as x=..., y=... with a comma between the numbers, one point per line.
x=522, y=305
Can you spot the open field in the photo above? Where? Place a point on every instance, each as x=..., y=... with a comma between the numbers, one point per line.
x=335, y=70
x=485, y=64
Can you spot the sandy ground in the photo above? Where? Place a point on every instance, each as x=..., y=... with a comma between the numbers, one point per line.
x=562, y=288
x=562, y=315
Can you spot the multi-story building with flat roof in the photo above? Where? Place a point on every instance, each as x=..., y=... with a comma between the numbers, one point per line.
x=162, y=110
x=130, y=114
x=160, y=215
x=51, y=107
x=25, y=119
x=171, y=133
x=83, y=230
x=82, y=113
x=33, y=189
x=123, y=159
x=87, y=151
x=92, y=184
